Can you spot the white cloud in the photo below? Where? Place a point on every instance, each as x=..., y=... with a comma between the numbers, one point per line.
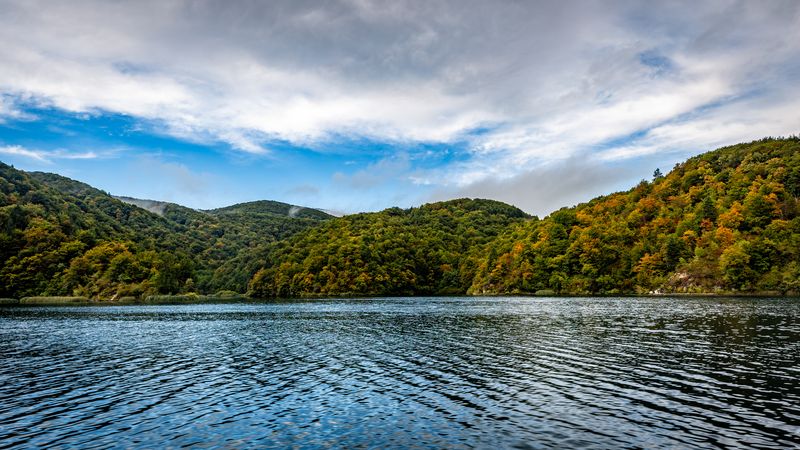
x=16, y=150
x=45, y=156
x=60, y=154
x=547, y=81
x=10, y=110
x=740, y=121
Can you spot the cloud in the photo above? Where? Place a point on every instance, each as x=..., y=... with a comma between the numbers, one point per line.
x=547, y=188
x=9, y=109
x=303, y=190
x=739, y=121
x=383, y=171
x=16, y=150
x=546, y=81
x=150, y=177
x=61, y=154
x=43, y=155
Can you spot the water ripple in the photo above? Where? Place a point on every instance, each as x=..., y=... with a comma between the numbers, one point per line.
x=416, y=373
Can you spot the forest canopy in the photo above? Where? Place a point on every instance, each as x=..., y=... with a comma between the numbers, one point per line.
x=727, y=221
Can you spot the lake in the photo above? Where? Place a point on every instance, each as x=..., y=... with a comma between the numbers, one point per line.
x=405, y=372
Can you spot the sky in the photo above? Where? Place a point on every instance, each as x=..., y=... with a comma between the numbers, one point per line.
x=360, y=105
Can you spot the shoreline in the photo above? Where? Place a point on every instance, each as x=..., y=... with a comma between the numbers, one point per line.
x=173, y=300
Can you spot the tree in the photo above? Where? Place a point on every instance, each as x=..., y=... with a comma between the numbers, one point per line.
x=735, y=265
x=189, y=286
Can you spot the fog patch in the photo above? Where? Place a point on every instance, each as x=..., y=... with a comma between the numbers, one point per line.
x=294, y=210
x=154, y=206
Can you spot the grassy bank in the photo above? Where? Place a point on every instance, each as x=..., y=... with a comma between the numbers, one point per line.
x=43, y=300
x=221, y=297
x=191, y=299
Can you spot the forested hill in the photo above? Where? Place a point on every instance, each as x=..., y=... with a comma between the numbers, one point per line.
x=270, y=207
x=62, y=237
x=724, y=221
x=727, y=221
x=392, y=252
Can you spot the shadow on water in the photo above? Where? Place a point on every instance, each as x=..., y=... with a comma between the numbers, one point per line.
x=421, y=372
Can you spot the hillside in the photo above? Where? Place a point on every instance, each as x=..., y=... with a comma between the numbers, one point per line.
x=392, y=252
x=154, y=206
x=63, y=237
x=727, y=221
x=235, y=235
x=724, y=221
x=270, y=207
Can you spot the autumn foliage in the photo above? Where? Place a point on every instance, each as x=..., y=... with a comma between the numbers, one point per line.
x=727, y=221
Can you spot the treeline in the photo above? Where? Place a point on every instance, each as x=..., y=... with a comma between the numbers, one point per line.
x=727, y=221
x=393, y=252
x=724, y=221
x=62, y=237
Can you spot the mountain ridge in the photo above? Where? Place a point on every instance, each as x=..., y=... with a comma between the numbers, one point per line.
x=63, y=237
x=256, y=206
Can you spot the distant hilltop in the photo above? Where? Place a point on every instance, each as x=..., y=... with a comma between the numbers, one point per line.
x=259, y=206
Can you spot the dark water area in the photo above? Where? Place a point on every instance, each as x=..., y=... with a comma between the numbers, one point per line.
x=411, y=373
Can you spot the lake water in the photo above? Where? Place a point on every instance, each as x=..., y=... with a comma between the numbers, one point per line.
x=419, y=373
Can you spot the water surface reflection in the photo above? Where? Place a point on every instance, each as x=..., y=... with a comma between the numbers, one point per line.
x=422, y=372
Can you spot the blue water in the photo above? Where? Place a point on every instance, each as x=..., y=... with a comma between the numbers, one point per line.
x=419, y=373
